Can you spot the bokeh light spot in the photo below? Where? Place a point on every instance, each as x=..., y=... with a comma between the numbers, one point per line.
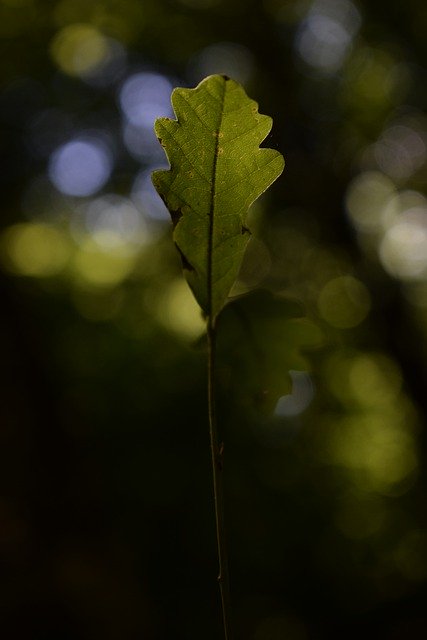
x=374, y=81
x=179, y=312
x=78, y=49
x=114, y=221
x=95, y=267
x=367, y=199
x=142, y=144
x=144, y=97
x=325, y=36
x=400, y=152
x=80, y=167
x=377, y=449
x=374, y=441
x=374, y=380
x=122, y=20
x=146, y=198
x=32, y=249
x=299, y=399
x=344, y=302
x=403, y=250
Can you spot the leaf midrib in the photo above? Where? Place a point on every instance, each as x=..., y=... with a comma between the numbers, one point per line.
x=212, y=205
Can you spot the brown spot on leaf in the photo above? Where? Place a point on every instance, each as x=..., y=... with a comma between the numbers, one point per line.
x=162, y=197
x=185, y=263
x=176, y=216
x=245, y=230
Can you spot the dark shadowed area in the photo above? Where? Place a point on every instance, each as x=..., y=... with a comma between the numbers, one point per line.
x=106, y=512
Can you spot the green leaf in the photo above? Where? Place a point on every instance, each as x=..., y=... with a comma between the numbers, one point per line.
x=216, y=172
x=262, y=337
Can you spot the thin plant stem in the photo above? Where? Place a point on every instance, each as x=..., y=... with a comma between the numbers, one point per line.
x=217, y=472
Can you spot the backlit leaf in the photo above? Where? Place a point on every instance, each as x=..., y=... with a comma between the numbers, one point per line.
x=216, y=171
x=262, y=337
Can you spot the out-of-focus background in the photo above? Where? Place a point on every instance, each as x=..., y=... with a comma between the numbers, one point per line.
x=106, y=515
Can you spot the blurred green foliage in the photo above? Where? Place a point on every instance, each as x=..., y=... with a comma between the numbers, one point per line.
x=105, y=509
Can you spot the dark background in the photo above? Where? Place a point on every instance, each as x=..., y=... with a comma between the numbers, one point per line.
x=106, y=516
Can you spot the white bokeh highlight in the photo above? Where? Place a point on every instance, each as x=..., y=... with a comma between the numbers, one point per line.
x=80, y=167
